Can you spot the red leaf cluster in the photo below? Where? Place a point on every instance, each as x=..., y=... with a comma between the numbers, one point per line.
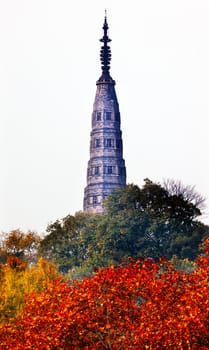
x=141, y=305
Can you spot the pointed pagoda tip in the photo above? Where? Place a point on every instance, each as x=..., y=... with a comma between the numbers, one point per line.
x=105, y=54
x=105, y=15
x=105, y=26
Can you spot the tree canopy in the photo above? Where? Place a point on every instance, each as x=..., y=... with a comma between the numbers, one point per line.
x=143, y=304
x=18, y=279
x=20, y=244
x=151, y=221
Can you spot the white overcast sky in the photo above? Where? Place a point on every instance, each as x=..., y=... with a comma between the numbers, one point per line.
x=49, y=64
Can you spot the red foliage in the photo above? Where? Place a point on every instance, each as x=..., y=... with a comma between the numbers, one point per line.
x=143, y=305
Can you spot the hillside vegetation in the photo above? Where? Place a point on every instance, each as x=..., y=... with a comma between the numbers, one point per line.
x=135, y=277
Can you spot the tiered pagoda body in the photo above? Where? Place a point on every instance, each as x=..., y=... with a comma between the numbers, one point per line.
x=106, y=167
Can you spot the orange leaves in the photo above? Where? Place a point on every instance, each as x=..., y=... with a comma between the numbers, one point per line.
x=141, y=305
x=16, y=264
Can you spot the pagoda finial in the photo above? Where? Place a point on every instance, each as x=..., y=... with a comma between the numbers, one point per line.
x=105, y=52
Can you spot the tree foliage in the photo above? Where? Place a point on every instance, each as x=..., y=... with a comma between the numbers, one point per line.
x=155, y=221
x=142, y=304
x=151, y=221
x=17, y=280
x=69, y=241
x=20, y=244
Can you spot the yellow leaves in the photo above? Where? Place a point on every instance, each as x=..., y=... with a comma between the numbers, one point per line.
x=16, y=282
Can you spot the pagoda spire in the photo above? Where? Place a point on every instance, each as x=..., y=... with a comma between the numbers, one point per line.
x=105, y=52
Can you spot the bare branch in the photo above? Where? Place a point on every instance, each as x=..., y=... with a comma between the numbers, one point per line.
x=189, y=194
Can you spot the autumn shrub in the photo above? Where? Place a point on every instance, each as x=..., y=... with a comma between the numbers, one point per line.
x=17, y=280
x=137, y=305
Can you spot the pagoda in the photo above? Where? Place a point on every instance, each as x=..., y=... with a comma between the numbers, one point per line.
x=106, y=166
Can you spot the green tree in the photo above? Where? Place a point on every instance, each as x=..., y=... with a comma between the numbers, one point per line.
x=154, y=221
x=70, y=241
x=150, y=221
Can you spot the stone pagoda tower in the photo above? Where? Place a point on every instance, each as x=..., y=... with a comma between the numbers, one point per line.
x=106, y=167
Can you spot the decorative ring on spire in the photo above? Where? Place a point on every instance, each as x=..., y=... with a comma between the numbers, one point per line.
x=105, y=52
